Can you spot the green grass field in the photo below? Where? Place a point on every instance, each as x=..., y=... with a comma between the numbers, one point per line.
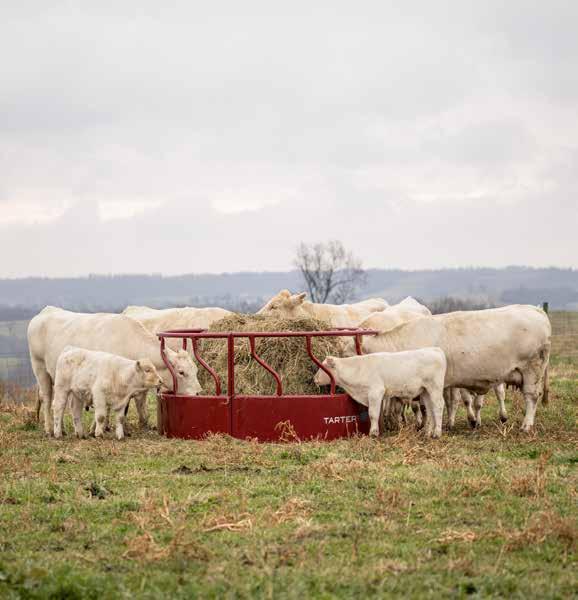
x=492, y=513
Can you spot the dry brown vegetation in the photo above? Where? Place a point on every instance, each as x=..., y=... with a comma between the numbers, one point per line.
x=485, y=513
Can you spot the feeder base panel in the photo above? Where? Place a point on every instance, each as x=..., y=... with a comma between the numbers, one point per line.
x=266, y=418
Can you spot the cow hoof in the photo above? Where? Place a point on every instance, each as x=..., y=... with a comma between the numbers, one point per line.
x=473, y=423
x=526, y=428
x=503, y=419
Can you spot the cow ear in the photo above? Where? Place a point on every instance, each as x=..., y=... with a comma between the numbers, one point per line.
x=284, y=293
x=330, y=362
x=298, y=299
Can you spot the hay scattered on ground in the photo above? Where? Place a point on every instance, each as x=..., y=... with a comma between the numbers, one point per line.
x=288, y=356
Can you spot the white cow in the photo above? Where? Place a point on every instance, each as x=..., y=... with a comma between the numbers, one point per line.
x=377, y=378
x=483, y=348
x=408, y=310
x=188, y=317
x=413, y=306
x=285, y=304
x=373, y=304
x=50, y=331
x=385, y=320
x=101, y=378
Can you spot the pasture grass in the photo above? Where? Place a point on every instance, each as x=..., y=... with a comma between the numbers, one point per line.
x=481, y=514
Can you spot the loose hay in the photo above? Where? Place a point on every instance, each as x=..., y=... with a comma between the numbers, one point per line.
x=287, y=356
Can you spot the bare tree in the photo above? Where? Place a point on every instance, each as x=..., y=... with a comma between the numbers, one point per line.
x=329, y=271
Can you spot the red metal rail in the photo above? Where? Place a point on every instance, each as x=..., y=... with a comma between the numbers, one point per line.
x=195, y=334
x=201, y=333
x=273, y=417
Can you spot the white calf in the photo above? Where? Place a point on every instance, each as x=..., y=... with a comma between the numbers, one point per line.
x=374, y=379
x=105, y=379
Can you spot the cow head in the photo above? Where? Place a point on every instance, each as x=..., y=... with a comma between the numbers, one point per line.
x=321, y=377
x=348, y=347
x=186, y=372
x=146, y=374
x=284, y=304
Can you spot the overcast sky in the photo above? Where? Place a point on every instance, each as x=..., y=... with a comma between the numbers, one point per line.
x=206, y=137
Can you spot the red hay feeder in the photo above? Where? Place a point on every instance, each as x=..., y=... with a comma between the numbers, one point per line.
x=279, y=417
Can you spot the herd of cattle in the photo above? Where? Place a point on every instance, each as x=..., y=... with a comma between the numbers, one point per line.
x=418, y=359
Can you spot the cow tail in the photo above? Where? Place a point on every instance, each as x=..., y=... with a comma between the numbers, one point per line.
x=546, y=390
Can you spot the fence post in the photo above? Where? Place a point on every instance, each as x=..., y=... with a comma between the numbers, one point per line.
x=545, y=307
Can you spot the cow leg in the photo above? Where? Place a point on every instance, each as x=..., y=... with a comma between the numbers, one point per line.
x=422, y=410
x=374, y=408
x=531, y=402
x=120, y=419
x=99, y=413
x=532, y=386
x=45, y=387
x=500, y=391
x=451, y=402
x=393, y=411
x=403, y=414
x=76, y=406
x=478, y=405
x=388, y=410
x=60, y=399
x=142, y=410
x=468, y=401
x=417, y=413
x=426, y=399
x=434, y=403
x=107, y=419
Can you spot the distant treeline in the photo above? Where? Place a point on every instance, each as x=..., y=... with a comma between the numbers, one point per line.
x=245, y=291
x=449, y=304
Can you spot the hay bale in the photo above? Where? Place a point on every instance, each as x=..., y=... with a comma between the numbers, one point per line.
x=288, y=356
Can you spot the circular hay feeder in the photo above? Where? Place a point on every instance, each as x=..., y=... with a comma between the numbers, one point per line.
x=287, y=356
x=261, y=371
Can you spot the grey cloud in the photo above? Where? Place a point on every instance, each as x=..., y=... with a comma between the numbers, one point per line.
x=378, y=125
